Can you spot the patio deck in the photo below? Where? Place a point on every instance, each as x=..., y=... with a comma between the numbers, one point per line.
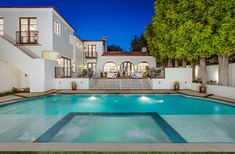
x=168, y=147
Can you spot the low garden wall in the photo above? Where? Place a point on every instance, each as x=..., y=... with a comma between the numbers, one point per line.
x=217, y=90
x=182, y=75
x=65, y=83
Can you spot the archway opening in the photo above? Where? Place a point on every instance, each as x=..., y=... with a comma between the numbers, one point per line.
x=144, y=68
x=110, y=68
x=127, y=69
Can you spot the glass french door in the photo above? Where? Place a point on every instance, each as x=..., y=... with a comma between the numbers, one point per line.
x=28, y=30
x=66, y=65
x=92, y=51
x=92, y=66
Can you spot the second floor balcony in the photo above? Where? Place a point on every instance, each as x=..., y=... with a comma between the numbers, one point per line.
x=90, y=55
x=27, y=37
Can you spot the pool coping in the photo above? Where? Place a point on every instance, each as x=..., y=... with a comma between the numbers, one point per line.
x=118, y=147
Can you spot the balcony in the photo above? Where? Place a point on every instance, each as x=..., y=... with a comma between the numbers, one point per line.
x=91, y=55
x=27, y=37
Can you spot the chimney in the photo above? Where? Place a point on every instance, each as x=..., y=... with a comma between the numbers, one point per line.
x=104, y=38
x=144, y=49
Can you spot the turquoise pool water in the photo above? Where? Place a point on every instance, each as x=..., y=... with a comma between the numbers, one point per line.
x=162, y=104
x=193, y=119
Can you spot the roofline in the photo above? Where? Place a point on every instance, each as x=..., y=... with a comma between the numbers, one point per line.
x=93, y=40
x=40, y=7
x=126, y=53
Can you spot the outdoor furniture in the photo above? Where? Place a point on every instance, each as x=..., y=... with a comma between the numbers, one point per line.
x=112, y=75
x=137, y=75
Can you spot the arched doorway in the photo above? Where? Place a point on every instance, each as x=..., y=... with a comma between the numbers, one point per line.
x=127, y=68
x=143, y=67
x=109, y=67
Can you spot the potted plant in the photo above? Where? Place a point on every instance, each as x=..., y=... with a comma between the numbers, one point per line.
x=202, y=88
x=74, y=86
x=177, y=85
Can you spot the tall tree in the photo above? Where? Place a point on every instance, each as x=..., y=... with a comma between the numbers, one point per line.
x=221, y=19
x=138, y=43
x=182, y=32
x=114, y=47
x=193, y=35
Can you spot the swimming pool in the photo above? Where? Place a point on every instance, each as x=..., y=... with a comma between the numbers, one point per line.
x=193, y=119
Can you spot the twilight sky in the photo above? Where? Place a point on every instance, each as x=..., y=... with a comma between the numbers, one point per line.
x=119, y=20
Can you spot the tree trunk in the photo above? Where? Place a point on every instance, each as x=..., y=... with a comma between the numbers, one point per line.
x=169, y=62
x=223, y=70
x=184, y=63
x=203, y=70
x=176, y=63
x=193, y=73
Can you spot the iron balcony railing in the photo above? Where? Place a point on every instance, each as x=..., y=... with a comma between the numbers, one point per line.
x=73, y=72
x=91, y=55
x=27, y=37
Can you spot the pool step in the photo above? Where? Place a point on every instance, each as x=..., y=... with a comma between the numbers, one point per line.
x=121, y=84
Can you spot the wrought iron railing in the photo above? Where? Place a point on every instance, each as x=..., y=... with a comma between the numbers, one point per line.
x=27, y=37
x=91, y=55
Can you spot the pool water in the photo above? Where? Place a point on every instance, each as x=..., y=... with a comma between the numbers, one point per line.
x=111, y=128
x=162, y=104
x=178, y=118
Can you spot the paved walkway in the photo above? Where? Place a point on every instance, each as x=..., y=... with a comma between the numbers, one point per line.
x=21, y=96
x=36, y=94
x=193, y=93
x=188, y=147
x=9, y=98
x=115, y=91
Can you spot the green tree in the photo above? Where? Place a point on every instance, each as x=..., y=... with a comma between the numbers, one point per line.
x=114, y=47
x=193, y=35
x=138, y=43
x=221, y=19
x=151, y=38
x=182, y=32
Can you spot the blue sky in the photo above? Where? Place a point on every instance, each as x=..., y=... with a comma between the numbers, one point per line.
x=119, y=20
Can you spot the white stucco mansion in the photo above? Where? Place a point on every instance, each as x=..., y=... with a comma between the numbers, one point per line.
x=38, y=45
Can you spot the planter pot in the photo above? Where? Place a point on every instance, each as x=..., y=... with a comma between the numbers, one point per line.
x=202, y=89
x=74, y=87
x=176, y=87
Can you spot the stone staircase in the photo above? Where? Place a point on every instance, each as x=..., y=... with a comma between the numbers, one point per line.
x=121, y=84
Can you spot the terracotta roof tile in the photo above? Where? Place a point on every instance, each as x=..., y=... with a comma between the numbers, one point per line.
x=121, y=53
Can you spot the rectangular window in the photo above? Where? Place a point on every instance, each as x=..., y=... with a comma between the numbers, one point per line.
x=71, y=39
x=92, y=51
x=28, y=33
x=57, y=28
x=1, y=26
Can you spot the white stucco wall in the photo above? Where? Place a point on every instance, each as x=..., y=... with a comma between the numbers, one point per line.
x=213, y=74
x=61, y=43
x=11, y=77
x=182, y=75
x=34, y=68
x=49, y=73
x=82, y=83
x=44, y=25
x=79, y=55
